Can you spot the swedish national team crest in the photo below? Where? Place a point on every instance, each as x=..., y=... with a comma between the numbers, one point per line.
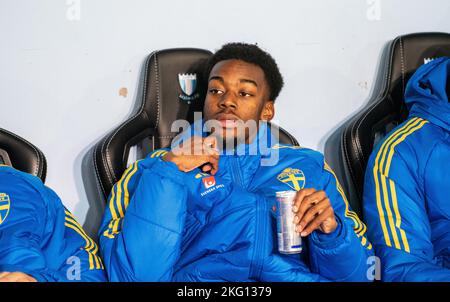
x=294, y=178
x=4, y=206
x=188, y=84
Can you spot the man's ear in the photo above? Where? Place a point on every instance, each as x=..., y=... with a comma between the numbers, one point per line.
x=268, y=111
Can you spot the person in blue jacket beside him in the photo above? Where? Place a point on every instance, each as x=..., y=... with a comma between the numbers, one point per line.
x=40, y=240
x=202, y=212
x=407, y=183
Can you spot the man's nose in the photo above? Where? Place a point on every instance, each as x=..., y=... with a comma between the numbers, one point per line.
x=228, y=101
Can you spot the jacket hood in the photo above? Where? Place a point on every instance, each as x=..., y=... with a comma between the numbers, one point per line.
x=426, y=94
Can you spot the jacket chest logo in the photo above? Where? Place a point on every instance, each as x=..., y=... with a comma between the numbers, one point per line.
x=294, y=178
x=5, y=204
x=208, y=182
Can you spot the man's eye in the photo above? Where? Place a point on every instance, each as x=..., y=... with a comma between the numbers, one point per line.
x=215, y=91
x=245, y=94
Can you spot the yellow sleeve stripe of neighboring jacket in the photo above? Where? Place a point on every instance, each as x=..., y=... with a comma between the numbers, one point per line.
x=359, y=227
x=91, y=248
x=386, y=196
x=158, y=153
x=120, y=198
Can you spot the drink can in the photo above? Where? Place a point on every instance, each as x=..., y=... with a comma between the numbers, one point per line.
x=289, y=242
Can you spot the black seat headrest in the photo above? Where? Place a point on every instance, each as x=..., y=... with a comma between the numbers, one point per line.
x=386, y=108
x=4, y=158
x=173, y=89
x=21, y=155
x=408, y=53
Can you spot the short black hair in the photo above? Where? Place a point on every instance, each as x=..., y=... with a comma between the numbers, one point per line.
x=252, y=54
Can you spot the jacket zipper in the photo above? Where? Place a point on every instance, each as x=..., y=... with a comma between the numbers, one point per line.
x=260, y=229
x=256, y=263
x=236, y=172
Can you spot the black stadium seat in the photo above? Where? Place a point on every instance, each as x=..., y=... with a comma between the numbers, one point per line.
x=21, y=155
x=162, y=103
x=384, y=111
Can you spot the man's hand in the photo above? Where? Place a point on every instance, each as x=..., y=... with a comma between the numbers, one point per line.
x=16, y=277
x=195, y=152
x=313, y=211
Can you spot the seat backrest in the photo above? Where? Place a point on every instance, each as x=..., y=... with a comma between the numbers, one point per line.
x=21, y=155
x=173, y=89
x=386, y=108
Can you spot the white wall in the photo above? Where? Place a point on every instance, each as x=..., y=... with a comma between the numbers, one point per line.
x=62, y=68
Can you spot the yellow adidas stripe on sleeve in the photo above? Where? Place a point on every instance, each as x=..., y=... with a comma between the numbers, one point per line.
x=359, y=227
x=121, y=200
x=91, y=248
x=386, y=196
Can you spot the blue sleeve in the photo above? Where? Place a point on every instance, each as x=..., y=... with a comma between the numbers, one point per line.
x=142, y=229
x=342, y=255
x=84, y=264
x=397, y=216
x=23, y=232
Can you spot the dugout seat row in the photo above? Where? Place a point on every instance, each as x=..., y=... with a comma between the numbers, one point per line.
x=173, y=88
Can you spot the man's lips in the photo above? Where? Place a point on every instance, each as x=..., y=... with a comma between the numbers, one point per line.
x=228, y=123
x=227, y=120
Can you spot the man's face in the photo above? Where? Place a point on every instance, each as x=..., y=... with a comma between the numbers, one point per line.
x=237, y=92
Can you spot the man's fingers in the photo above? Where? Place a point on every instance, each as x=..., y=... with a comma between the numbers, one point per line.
x=196, y=152
x=201, y=146
x=310, y=213
x=301, y=194
x=211, y=151
x=4, y=276
x=192, y=146
x=212, y=164
x=210, y=141
x=210, y=148
x=308, y=202
x=214, y=161
x=313, y=225
x=206, y=168
x=16, y=277
x=211, y=161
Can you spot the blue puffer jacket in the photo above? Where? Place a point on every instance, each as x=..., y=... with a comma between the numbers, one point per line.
x=39, y=236
x=162, y=224
x=407, y=184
